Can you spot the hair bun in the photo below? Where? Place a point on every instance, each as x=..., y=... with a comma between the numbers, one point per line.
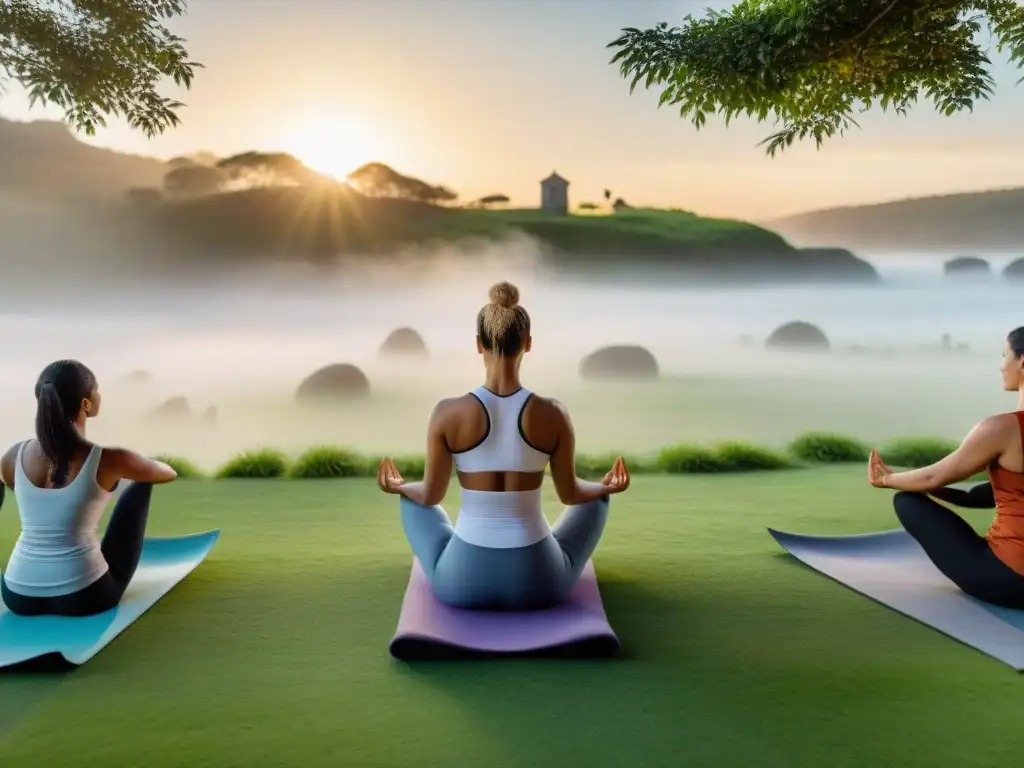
x=504, y=294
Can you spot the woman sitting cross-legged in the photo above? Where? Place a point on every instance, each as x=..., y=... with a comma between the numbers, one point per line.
x=988, y=567
x=501, y=554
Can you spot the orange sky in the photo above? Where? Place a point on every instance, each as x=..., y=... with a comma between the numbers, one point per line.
x=489, y=96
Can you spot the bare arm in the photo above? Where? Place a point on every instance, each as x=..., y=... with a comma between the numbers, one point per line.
x=131, y=466
x=7, y=465
x=978, y=497
x=438, y=470
x=571, y=489
x=983, y=445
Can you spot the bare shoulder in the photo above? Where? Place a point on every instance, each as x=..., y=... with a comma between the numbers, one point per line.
x=1000, y=425
x=549, y=408
x=7, y=461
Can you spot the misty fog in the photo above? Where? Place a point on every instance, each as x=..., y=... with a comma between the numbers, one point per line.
x=242, y=340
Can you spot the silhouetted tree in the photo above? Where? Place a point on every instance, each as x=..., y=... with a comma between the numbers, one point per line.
x=97, y=58
x=607, y=194
x=811, y=64
x=588, y=206
x=268, y=169
x=620, y=205
x=490, y=200
x=381, y=180
x=193, y=181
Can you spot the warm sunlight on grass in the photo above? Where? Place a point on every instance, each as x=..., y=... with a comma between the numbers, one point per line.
x=333, y=144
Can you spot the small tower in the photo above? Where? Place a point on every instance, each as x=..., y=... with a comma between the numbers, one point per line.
x=554, y=194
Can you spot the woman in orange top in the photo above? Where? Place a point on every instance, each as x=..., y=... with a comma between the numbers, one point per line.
x=989, y=567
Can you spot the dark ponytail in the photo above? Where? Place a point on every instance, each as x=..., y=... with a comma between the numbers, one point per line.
x=59, y=393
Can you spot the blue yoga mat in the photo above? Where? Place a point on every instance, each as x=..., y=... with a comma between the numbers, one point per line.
x=165, y=562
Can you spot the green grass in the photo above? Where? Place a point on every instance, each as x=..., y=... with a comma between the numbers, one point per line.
x=274, y=652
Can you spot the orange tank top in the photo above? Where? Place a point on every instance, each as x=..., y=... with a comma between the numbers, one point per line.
x=1006, y=536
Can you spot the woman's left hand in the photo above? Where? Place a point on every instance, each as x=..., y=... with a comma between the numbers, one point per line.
x=878, y=471
x=389, y=479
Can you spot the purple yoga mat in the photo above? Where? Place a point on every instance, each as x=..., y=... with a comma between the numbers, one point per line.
x=430, y=630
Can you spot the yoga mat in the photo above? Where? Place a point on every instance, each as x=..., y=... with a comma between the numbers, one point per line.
x=428, y=630
x=165, y=562
x=891, y=568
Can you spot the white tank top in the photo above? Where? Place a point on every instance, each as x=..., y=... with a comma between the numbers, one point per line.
x=58, y=552
x=502, y=519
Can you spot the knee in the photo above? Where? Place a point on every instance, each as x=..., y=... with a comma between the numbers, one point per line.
x=908, y=506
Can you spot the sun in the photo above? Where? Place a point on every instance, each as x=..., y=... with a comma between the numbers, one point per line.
x=333, y=146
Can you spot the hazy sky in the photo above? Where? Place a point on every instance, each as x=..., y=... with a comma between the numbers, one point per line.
x=489, y=96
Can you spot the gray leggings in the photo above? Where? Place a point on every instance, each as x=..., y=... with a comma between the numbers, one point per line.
x=538, y=576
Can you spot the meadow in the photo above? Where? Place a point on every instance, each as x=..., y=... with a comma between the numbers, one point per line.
x=274, y=652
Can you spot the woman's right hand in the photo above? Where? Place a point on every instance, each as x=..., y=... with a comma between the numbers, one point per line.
x=617, y=479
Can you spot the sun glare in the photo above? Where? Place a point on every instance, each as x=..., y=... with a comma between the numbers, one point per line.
x=333, y=146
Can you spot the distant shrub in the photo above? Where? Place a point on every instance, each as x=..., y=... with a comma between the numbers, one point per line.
x=828, y=448
x=325, y=461
x=261, y=463
x=688, y=458
x=596, y=466
x=916, y=452
x=745, y=457
x=412, y=467
x=186, y=469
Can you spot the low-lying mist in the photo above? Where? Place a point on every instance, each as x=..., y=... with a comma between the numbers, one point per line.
x=241, y=339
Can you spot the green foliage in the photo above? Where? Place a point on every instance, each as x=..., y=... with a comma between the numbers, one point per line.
x=688, y=458
x=261, y=463
x=594, y=467
x=186, y=469
x=745, y=457
x=326, y=461
x=828, y=448
x=916, y=452
x=812, y=64
x=97, y=59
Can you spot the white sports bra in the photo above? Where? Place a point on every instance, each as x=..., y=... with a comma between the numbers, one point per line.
x=504, y=447
x=502, y=519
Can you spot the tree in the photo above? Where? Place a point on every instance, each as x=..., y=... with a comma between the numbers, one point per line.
x=381, y=180
x=489, y=200
x=193, y=181
x=812, y=64
x=262, y=169
x=588, y=206
x=97, y=58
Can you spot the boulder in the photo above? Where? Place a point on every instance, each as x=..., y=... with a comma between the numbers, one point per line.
x=967, y=266
x=334, y=382
x=175, y=409
x=799, y=336
x=619, y=362
x=1014, y=271
x=403, y=342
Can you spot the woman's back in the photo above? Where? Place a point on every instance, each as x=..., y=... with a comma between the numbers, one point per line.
x=58, y=550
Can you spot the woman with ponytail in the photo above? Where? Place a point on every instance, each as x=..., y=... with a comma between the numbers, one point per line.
x=62, y=484
x=501, y=554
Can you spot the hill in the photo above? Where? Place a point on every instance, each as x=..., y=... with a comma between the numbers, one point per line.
x=322, y=222
x=973, y=221
x=43, y=162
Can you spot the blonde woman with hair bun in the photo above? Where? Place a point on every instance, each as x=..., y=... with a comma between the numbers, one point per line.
x=501, y=553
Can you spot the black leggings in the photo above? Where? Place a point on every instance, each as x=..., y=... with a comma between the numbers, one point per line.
x=121, y=547
x=962, y=556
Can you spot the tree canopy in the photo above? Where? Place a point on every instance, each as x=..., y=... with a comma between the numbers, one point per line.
x=268, y=169
x=381, y=180
x=193, y=181
x=811, y=65
x=97, y=58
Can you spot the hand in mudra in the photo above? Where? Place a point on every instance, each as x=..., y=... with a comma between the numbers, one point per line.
x=617, y=479
x=389, y=479
x=878, y=470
